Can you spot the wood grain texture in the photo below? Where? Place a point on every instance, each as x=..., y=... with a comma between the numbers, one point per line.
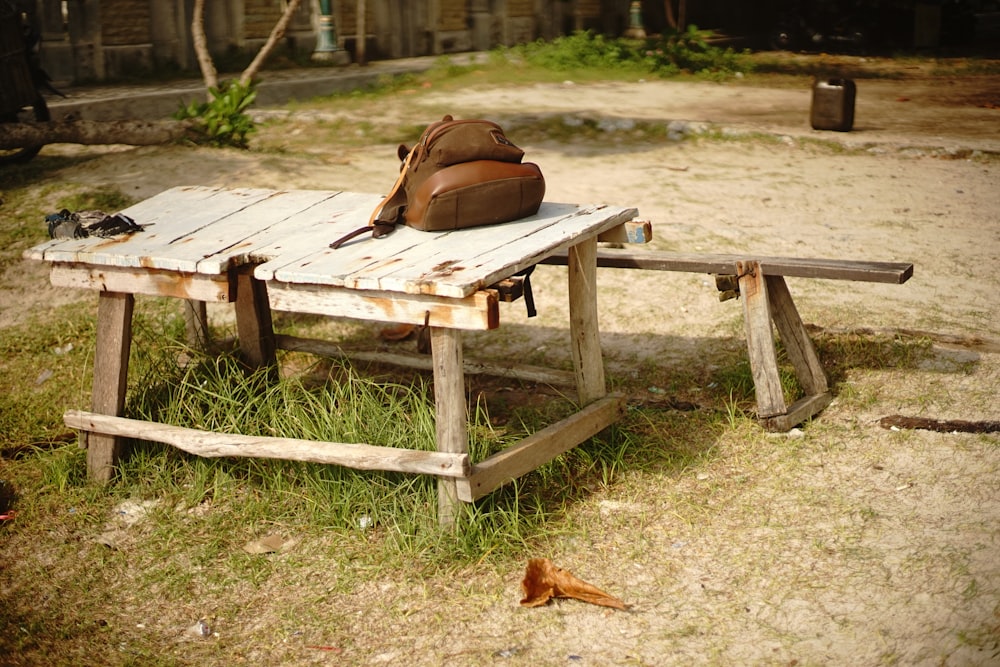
x=451, y=420
x=114, y=342
x=793, y=267
x=541, y=447
x=212, y=444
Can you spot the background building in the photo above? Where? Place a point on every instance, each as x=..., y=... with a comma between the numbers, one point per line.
x=97, y=40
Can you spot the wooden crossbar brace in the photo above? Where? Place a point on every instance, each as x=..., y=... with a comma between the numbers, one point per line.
x=213, y=445
x=541, y=447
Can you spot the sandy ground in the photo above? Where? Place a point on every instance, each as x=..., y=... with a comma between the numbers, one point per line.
x=864, y=546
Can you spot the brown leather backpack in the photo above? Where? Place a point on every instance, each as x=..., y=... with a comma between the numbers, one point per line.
x=461, y=173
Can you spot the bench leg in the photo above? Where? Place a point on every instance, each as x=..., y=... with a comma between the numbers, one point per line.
x=114, y=342
x=584, y=333
x=760, y=341
x=450, y=414
x=767, y=299
x=794, y=337
x=253, y=321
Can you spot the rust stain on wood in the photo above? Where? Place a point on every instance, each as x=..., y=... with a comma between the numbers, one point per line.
x=109, y=242
x=446, y=268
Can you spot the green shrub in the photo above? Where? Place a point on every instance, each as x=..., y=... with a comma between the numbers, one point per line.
x=689, y=51
x=223, y=120
x=665, y=55
x=578, y=51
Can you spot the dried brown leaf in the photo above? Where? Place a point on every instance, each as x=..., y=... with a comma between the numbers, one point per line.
x=544, y=581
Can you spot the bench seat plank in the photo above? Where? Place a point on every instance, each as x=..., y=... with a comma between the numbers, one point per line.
x=725, y=264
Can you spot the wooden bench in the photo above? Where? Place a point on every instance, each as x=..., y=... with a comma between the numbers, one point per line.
x=760, y=281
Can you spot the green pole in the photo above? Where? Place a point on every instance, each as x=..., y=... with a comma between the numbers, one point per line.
x=326, y=39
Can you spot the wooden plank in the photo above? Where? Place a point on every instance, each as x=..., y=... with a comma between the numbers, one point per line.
x=760, y=341
x=510, y=369
x=154, y=282
x=253, y=321
x=800, y=411
x=829, y=269
x=234, y=240
x=585, y=339
x=455, y=263
x=633, y=231
x=479, y=311
x=541, y=447
x=114, y=342
x=795, y=338
x=280, y=231
x=310, y=259
x=150, y=211
x=451, y=256
x=174, y=217
x=212, y=445
x=451, y=420
x=493, y=261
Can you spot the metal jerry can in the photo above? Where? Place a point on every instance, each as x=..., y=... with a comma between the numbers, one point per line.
x=833, y=105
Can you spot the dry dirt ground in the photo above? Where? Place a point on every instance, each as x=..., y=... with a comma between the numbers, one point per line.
x=841, y=544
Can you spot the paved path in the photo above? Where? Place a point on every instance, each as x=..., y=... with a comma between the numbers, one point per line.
x=160, y=100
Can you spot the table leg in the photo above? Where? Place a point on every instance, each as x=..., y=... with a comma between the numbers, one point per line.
x=450, y=413
x=114, y=342
x=585, y=336
x=253, y=320
x=196, y=324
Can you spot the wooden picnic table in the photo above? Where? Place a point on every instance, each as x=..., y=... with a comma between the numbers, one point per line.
x=269, y=249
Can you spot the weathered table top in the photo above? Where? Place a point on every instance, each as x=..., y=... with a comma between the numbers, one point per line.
x=286, y=234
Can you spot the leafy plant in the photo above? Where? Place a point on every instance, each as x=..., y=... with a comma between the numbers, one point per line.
x=689, y=51
x=579, y=51
x=666, y=55
x=223, y=120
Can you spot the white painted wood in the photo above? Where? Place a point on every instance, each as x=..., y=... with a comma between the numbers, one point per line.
x=216, y=289
x=234, y=239
x=450, y=256
x=210, y=230
x=210, y=444
x=151, y=212
x=172, y=218
x=311, y=231
x=453, y=263
x=462, y=261
x=479, y=311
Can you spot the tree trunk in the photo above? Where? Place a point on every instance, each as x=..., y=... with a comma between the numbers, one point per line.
x=668, y=5
x=208, y=71
x=272, y=40
x=362, y=35
x=91, y=132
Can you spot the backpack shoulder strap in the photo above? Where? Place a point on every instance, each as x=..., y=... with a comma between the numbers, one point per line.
x=378, y=224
